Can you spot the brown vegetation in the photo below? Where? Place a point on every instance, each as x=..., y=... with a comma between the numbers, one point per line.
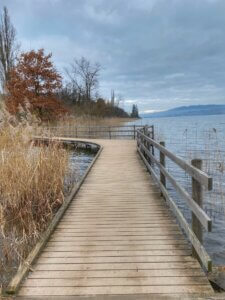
x=31, y=185
x=34, y=82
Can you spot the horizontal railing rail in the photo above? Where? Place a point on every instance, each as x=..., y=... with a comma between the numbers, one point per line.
x=199, y=175
x=146, y=146
x=108, y=132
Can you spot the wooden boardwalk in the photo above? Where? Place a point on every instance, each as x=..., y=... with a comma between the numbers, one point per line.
x=116, y=238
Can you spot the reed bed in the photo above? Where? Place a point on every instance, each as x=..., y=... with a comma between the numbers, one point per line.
x=92, y=121
x=31, y=191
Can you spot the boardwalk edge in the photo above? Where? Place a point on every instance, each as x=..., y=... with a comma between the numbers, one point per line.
x=25, y=267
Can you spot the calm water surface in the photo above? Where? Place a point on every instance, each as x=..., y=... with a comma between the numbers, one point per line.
x=79, y=161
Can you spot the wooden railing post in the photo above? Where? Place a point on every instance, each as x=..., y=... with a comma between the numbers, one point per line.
x=134, y=132
x=139, y=139
x=148, y=145
x=110, y=133
x=197, y=197
x=163, y=163
x=144, y=142
x=153, y=137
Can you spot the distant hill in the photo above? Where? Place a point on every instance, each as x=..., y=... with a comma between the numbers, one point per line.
x=193, y=110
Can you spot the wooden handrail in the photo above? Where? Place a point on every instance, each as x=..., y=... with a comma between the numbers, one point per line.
x=197, y=210
x=199, y=175
x=145, y=140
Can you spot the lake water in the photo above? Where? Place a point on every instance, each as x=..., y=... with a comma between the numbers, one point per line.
x=79, y=161
x=198, y=137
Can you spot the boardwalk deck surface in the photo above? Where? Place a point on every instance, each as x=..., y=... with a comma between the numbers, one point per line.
x=116, y=238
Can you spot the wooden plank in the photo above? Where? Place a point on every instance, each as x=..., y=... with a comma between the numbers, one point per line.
x=118, y=266
x=119, y=218
x=123, y=281
x=115, y=227
x=112, y=259
x=125, y=223
x=120, y=208
x=123, y=226
x=116, y=238
x=115, y=290
x=120, y=214
x=119, y=235
x=169, y=241
x=117, y=273
x=165, y=216
x=64, y=247
x=118, y=232
x=128, y=206
x=81, y=225
x=114, y=253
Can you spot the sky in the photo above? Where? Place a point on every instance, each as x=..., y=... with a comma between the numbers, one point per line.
x=158, y=54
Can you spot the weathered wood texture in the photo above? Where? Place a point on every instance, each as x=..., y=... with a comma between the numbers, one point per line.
x=117, y=237
x=200, y=176
x=200, y=213
x=197, y=196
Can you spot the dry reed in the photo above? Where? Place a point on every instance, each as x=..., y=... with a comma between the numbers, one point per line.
x=92, y=121
x=31, y=187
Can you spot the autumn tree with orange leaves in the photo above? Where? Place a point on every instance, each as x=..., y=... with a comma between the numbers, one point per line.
x=34, y=82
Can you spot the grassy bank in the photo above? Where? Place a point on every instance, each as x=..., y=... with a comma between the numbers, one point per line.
x=31, y=185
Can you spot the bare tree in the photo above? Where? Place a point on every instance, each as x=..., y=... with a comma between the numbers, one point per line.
x=84, y=76
x=8, y=47
x=119, y=100
x=112, y=97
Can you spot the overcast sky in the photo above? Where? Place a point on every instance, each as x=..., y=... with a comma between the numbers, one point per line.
x=158, y=54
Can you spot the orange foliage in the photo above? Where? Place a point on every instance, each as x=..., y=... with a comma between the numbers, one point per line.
x=34, y=81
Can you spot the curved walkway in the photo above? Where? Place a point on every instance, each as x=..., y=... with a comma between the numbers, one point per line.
x=116, y=238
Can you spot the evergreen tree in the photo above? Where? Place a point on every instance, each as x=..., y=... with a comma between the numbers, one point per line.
x=134, y=113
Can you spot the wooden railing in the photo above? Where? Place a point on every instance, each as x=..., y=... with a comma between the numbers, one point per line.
x=105, y=132
x=146, y=146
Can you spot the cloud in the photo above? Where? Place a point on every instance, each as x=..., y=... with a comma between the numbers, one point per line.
x=156, y=53
x=150, y=111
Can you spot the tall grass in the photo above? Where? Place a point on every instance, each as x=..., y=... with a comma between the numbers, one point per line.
x=92, y=121
x=31, y=191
